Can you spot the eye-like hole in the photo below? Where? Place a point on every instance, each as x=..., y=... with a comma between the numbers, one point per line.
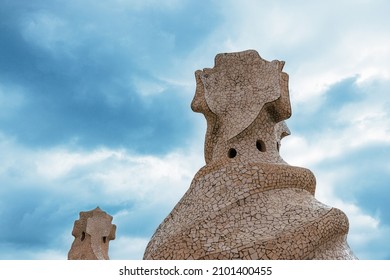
x=104, y=239
x=82, y=236
x=232, y=153
x=278, y=146
x=260, y=145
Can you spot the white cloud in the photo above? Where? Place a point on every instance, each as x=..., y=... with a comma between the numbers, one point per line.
x=149, y=178
x=322, y=42
x=55, y=164
x=130, y=5
x=12, y=99
x=147, y=88
x=32, y=254
x=50, y=32
x=127, y=248
x=118, y=175
x=136, y=185
x=355, y=125
x=48, y=254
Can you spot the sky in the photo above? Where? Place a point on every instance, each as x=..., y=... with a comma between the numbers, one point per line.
x=95, y=111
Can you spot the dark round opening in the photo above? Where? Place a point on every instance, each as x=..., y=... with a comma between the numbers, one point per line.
x=232, y=153
x=260, y=145
x=104, y=239
x=82, y=236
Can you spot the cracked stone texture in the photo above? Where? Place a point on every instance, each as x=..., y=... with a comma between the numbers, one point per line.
x=247, y=202
x=92, y=233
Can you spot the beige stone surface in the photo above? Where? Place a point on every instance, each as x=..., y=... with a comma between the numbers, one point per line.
x=247, y=202
x=92, y=232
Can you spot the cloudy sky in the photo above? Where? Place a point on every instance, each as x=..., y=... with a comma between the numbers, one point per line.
x=95, y=110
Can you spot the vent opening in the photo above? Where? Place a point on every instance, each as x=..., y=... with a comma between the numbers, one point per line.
x=260, y=146
x=232, y=153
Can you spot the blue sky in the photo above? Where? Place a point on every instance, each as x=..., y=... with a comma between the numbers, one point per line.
x=95, y=111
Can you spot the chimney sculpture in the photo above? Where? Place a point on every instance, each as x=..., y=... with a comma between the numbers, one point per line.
x=247, y=202
x=92, y=232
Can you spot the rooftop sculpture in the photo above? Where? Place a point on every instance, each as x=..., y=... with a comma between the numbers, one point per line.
x=92, y=232
x=247, y=202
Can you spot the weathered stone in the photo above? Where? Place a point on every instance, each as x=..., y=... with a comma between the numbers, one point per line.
x=247, y=202
x=92, y=232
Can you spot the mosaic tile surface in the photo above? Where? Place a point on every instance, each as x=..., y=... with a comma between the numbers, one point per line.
x=247, y=202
